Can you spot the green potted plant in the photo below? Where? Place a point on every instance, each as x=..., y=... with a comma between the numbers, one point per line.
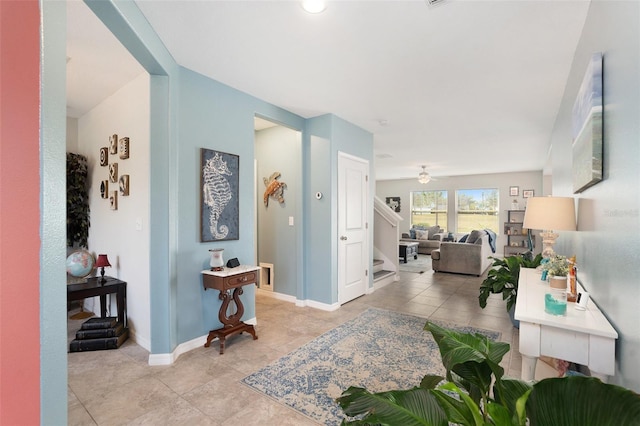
x=503, y=279
x=476, y=392
x=77, y=200
x=557, y=268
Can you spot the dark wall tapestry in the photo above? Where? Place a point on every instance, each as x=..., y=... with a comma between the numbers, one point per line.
x=219, y=215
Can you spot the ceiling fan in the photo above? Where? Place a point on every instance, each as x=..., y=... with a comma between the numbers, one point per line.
x=424, y=177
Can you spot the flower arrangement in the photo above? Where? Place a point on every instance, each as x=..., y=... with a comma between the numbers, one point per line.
x=557, y=266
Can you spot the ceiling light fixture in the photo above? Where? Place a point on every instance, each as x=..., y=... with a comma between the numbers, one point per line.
x=424, y=177
x=314, y=6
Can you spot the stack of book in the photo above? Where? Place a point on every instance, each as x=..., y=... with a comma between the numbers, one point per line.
x=98, y=334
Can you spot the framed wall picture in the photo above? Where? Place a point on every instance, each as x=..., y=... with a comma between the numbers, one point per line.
x=586, y=165
x=113, y=144
x=123, y=148
x=113, y=200
x=104, y=156
x=104, y=189
x=219, y=184
x=528, y=193
x=514, y=191
x=124, y=185
x=113, y=172
x=393, y=203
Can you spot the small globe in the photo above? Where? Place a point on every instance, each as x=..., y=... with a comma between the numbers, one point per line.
x=80, y=263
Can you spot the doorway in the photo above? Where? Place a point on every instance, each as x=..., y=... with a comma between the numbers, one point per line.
x=278, y=165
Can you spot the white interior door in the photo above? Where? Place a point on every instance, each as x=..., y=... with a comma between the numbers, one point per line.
x=352, y=227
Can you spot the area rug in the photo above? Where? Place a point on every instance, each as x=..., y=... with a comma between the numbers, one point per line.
x=380, y=350
x=420, y=265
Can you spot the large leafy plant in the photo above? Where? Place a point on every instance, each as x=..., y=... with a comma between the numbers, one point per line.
x=77, y=200
x=503, y=278
x=466, y=396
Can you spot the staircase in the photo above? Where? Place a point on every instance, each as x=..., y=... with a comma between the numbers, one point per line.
x=380, y=274
x=385, y=248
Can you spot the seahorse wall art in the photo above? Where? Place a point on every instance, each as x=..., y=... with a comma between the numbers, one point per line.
x=216, y=193
x=274, y=189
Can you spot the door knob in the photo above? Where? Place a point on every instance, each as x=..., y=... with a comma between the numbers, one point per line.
x=343, y=238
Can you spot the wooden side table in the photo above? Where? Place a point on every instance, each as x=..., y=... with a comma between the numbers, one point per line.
x=224, y=281
x=95, y=287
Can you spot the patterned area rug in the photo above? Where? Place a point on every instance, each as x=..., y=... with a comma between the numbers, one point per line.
x=420, y=265
x=379, y=350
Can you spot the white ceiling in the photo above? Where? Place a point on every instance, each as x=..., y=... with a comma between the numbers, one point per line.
x=463, y=87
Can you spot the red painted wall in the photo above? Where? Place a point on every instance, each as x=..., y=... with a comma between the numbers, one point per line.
x=19, y=212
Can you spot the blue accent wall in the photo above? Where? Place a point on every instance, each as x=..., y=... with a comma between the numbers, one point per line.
x=326, y=136
x=188, y=112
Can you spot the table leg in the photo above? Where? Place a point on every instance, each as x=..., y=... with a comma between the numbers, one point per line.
x=103, y=306
x=528, y=371
x=121, y=301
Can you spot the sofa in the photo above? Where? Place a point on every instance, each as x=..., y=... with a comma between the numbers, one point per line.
x=428, y=239
x=469, y=257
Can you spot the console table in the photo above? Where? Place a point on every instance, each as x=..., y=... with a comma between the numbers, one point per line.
x=224, y=281
x=584, y=337
x=95, y=287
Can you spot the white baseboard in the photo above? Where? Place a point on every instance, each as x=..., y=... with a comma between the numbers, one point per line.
x=140, y=341
x=298, y=302
x=198, y=342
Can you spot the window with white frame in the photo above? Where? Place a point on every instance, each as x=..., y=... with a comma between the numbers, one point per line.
x=477, y=209
x=429, y=208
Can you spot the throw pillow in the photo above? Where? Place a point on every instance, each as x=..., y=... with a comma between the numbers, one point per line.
x=433, y=230
x=422, y=235
x=463, y=239
x=474, y=235
x=412, y=233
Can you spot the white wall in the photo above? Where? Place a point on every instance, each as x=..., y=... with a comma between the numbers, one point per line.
x=502, y=181
x=115, y=232
x=606, y=243
x=72, y=134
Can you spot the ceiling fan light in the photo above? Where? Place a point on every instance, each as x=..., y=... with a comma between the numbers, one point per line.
x=423, y=176
x=314, y=6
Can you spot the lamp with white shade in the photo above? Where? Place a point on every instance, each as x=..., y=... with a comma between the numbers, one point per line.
x=550, y=214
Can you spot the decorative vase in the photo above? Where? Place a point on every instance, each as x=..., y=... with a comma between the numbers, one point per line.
x=558, y=282
x=555, y=301
x=217, y=262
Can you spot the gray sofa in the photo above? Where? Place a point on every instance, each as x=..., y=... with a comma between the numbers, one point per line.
x=470, y=257
x=426, y=246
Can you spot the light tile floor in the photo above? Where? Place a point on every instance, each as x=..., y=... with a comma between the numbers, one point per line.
x=117, y=387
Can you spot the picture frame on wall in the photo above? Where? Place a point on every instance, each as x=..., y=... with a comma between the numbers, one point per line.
x=124, y=185
x=528, y=193
x=104, y=156
x=113, y=200
x=113, y=172
x=219, y=191
x=587, y=116
x=393, y=203
x=113, y=144
x=514, y=191
x=123, y=148
x=104, y=189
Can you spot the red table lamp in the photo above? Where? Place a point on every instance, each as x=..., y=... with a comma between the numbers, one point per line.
x=102, y=262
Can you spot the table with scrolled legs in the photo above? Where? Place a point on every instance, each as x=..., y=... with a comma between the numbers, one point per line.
x=225, y=281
